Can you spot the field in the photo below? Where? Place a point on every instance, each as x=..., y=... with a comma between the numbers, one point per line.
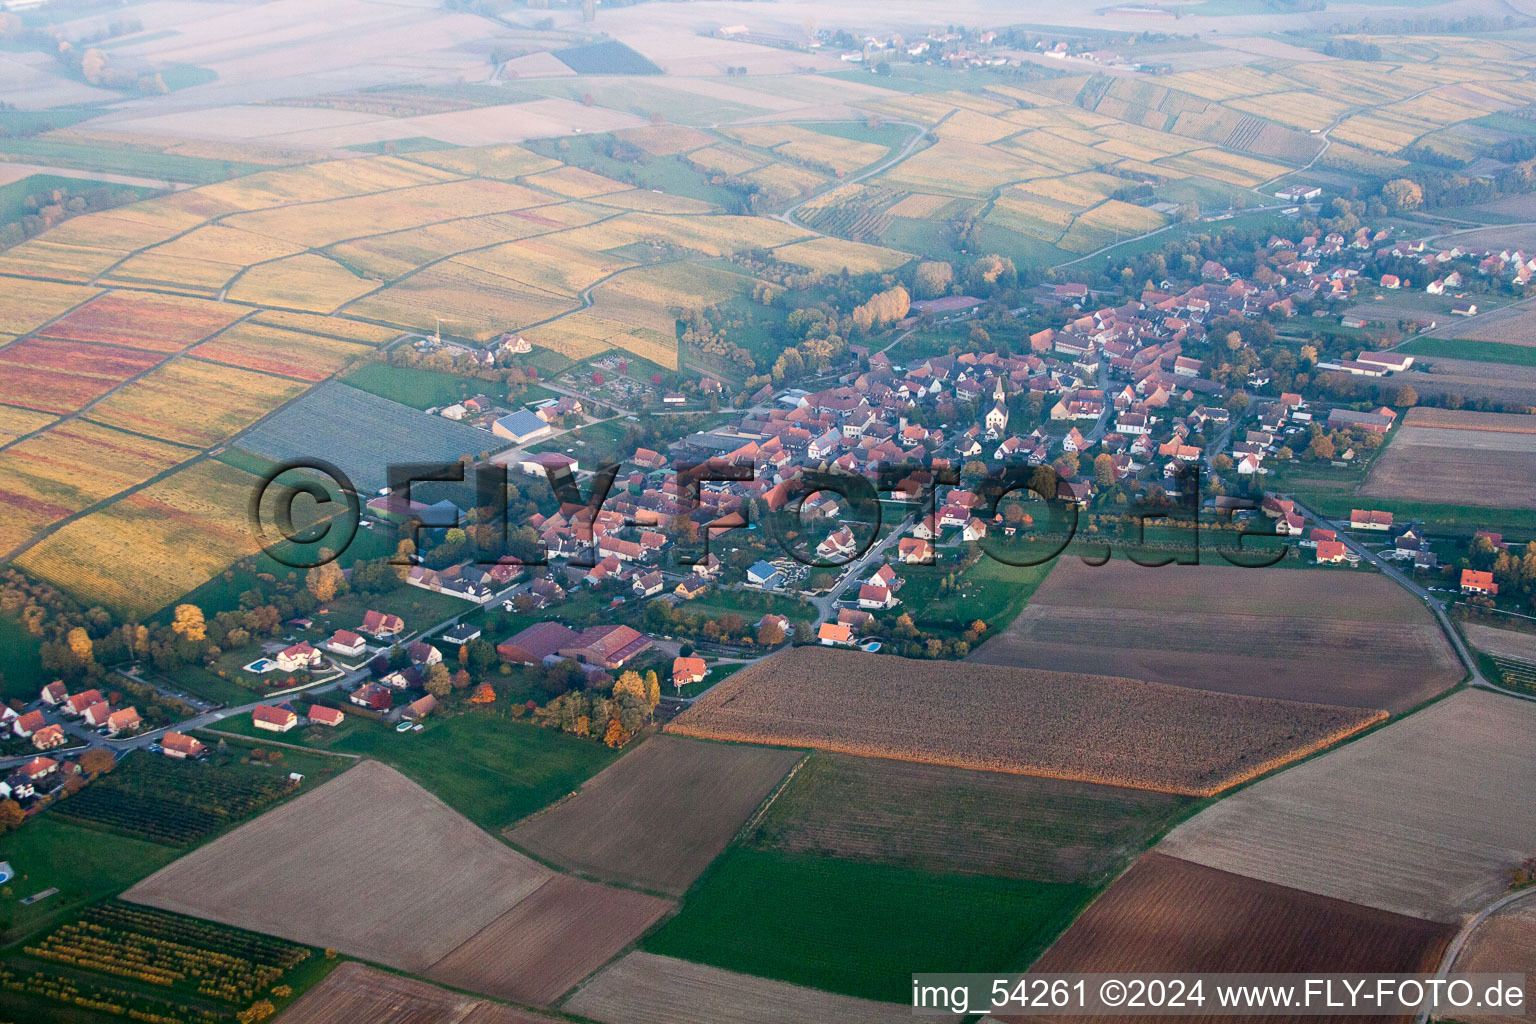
x=1511, y=325
x=437, y=897
x=644, y=988
x=1143, y=735
x=550, y=941
x=355, y=993
x=194, y=403
x=936, y=818
x=26, y=306
x=660, y=814
x=860, y=929
x=1504, y=943
x=363, y=435
x=158, y=323
x=1358, y=640
x=144, y=551
x=1459, y=457
x=1438, y=795
x=255, y=346
x=1167, y=915
x=1501, y=643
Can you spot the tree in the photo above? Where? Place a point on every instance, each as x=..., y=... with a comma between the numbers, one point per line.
x=439, y=682
x=80, y=645
x=630, y=684
x=1321, y=447
x=1104, y=470
x=189, y=624
x=1222, y=463
x=652, y=688
x=97, y=761
x=933, y=279
x=325, y=581
x=1406, y=397
x=485, y=693
x=1403, y=194
x=11, y=815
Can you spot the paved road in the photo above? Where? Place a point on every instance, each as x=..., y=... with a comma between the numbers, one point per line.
x=1448, y=961
x=826, y=604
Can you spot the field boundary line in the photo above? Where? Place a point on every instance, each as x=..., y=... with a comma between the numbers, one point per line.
x=752, y=822
x=277, y=743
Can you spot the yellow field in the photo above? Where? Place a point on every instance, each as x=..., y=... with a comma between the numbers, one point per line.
x=545, y=265
x=195, y=403
x=578, y=336
x=504, y=162
x=1031, y=216
x=1047, y=153
x=970, y=126
x=919, y=205
x=724, y=159
x=111, y=230
x=986, y=168
x=574, y=183
x=195, y=277
x=145, y=551
x=335, y=327
x=16, y=422
x=832, y=255
x=1376, y=132
x=1225, y=84
x=780, y=182
x=388, y=256
x=811, y=147
x=482, y=305
x=1307, y=111
x=1224, y=166
x=220, y=244
x=42, y=257
x=307, y=282
x=27, y=305
x=1081, y=190
x=667, y=139
x=256, y=346
x=674, y=286
x=646, y=201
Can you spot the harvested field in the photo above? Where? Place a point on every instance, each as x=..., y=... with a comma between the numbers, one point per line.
x=363, y=434
x=937, y=818
x=1358, y=641
x=1143, y=735
x=660, y=814
x=1505, y=943
x=549, y=941
x=1486, y=459
x=433, y=880
x=1441, y=796
x=1501, y=643
x=644, y=988
x=355, y=993
x=1503, y=383
x=1168, y=915
x=159, y=323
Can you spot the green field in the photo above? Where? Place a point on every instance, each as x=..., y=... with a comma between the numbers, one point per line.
x=164, y=166
x=21, y=671
x=990, y=590
x=861, y=929
x=609, y=57
x=420, y=389
x=492, y=770
x=1477, y=351
x=82, y=863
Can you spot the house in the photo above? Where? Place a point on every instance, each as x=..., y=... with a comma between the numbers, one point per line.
x=181, y=747
x=974, y=530
x=997, y=420
x=382, y=625
x=49, y=737
x=765, y=575
x=76, y=704
x=1348, y=419
x=423, y=653
x=1365, y=519
x=416, y=710
x=28, y=724
x=54, y=693
x=38, y=768
x=691, y=587
x=648, y=584
x=273, y=719
x=1474, y=582
x=873, y=597
x=347, y=644
x=96, y=715
x=1394, y=362
x=832, y=633
x=373, y=696
x=328, y=717
x=522, y=427
x=781, y=622
x=300, y=656
x=461, y=634
x=1331, y=552
x=839, y=544
x=914, y=550
x=126, y=720
x=688, y=670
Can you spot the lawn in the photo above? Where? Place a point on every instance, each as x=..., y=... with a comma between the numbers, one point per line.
x=82, y=863
x=991, y=591
x=1477, y=351
x=491, y=769
x=421, y=389
x=21, y=670
x=861, y=929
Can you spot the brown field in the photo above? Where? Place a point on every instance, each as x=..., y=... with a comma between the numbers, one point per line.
x=549, y=941
x=660, y=814
x=1505, y=943
x=52, y=390
x=1501, y=643
x=1461, y=458
x=1168, y=915
x=369, y=864
x=109, y=361
x=376, y=867
x=1060, y=725
x=936, y=818
x=1503, y=383
x=159, y=323
x=644, y=988
x=1358, y=641
x=1440, y=796
x=355, y=993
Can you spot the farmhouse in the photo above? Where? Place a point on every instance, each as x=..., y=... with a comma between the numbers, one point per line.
x=547, y=463
x=1392, y=361
x=534, y=644
x=606, y=647
x=346, y=643
x=688, y=670
x=765, y=575
x=273, y=719
x=522, y=427
x=179, y=746
x=1348, y=419
x=1474, y=582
